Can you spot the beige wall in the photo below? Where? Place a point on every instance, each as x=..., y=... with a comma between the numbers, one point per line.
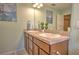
x=60, y=22
x=10, y=32
x=68, y=11
x=60, y=17
x=74, y=35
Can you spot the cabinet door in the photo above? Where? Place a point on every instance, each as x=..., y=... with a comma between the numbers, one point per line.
x=60, y=48
x=30, y=52
x=27, y=44
x=30, y=45
x=35, y=50
x=26, y=41
x=43, y=52
x=42, y=45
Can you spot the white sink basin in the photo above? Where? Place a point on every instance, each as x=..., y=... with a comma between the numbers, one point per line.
x=32, y=31
x=49, y=35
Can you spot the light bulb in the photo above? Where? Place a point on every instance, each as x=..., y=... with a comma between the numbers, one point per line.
x=41, y=5
x=38, y=6
x=34, y=5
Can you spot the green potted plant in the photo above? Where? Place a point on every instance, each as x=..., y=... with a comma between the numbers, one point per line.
x=46, y=26
x=42, y=25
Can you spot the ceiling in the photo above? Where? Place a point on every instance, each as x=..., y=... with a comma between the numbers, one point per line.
x=54, y=5
x=58, y=5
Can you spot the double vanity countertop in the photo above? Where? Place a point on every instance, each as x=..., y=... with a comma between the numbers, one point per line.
x=48, y=38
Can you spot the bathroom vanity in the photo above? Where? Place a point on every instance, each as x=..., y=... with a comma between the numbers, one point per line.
x=40, y=43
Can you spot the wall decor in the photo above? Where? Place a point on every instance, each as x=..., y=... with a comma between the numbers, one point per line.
x=49, y=16
x=8, y=12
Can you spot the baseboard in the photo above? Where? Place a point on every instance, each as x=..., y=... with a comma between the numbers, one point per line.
x=21, y=52
x=8, y=53
x=16, y=52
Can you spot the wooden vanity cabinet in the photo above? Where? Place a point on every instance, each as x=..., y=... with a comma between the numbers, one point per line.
x=34, y=46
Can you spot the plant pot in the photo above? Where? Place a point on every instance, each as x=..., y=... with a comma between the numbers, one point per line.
x=43, y=30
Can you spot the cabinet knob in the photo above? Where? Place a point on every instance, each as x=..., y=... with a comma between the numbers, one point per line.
x=58, y=53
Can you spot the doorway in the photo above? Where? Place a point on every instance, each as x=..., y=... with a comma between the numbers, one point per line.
x=67, y=22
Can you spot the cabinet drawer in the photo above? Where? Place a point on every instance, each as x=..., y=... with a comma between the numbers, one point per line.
x=30, y=44
x=42, y=45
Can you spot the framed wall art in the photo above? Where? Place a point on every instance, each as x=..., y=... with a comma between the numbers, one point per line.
x=8, y=12
x=49, y=16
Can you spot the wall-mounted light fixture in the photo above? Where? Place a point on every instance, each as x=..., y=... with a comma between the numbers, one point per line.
x=37, y=5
